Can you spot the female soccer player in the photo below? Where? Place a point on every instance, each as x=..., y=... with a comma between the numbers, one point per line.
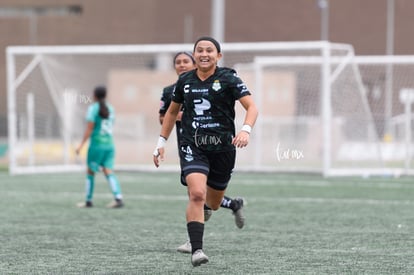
x=208, y=140
x=101, y=152
x=184, y=62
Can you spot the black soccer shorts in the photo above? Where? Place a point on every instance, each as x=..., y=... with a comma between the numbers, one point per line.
x=217, y=166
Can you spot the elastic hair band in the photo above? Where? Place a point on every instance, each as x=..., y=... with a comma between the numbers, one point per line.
x=208, y=38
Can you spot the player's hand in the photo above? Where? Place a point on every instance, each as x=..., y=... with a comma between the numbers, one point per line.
x=241, y=139
x=158, y=155
x=159, y=151
x=77, y=150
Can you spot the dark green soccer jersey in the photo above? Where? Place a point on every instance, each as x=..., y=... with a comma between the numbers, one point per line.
x=166, y=98
x=208, y=117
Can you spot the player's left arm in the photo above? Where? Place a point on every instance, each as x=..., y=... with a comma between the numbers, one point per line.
x=242, y=138
x=86, y=136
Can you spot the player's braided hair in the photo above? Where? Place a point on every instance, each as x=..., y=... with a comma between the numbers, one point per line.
x=100, y=95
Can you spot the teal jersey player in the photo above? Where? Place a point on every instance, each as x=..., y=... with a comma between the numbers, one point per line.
x=101, y=152
x=102, y=136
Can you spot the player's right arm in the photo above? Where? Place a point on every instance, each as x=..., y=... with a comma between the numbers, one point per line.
x=167, y=126
x=86, y=136
x=90, y=118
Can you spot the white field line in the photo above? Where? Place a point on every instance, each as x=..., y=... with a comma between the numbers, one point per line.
x=365, y=183
x=289, y=182
x=313, y=183
x=342, y=201
x=258, y=200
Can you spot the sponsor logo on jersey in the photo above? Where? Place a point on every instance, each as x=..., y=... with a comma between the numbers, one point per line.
x=209, y=125
x=195, y=124
x=186, y=88
x=199, y=90
x=216, y=85
x=201, y=105
x=242, y=87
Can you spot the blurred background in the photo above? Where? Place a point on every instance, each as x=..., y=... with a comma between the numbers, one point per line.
x=372, y=27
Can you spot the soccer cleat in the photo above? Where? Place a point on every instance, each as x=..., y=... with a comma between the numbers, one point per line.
x=116, y=204
x=207, y=214
x=185, y=248
x=86, y=204
x=238, y=213
x=198, y=258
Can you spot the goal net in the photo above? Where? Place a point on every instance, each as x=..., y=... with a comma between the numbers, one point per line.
x=314, y=113
x=350, y=115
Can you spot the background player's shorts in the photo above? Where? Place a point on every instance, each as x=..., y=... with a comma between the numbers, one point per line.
x=217, y=166
x=100, y=157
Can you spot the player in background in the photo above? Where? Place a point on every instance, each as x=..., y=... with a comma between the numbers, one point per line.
x=184, y=62
x=101, y=152
x=208, y=140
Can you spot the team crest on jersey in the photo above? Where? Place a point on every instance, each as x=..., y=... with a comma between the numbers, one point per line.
x=216, y=85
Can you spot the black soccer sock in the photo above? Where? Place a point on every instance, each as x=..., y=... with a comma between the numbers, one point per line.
x=206, y=207
x=195, y=232
x=229, y=203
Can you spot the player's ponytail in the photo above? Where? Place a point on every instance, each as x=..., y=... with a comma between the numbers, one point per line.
x=100, y=95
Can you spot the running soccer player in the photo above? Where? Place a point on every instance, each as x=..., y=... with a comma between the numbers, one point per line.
x=101, y=152
x=208, y=141
x=184, y=62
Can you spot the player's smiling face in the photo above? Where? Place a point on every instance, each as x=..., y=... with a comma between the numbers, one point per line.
x=206, y=55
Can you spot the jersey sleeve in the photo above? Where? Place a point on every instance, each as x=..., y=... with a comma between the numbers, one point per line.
x=178, y=92
x=91, y=113
x=165, y=101
x=238, y=86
